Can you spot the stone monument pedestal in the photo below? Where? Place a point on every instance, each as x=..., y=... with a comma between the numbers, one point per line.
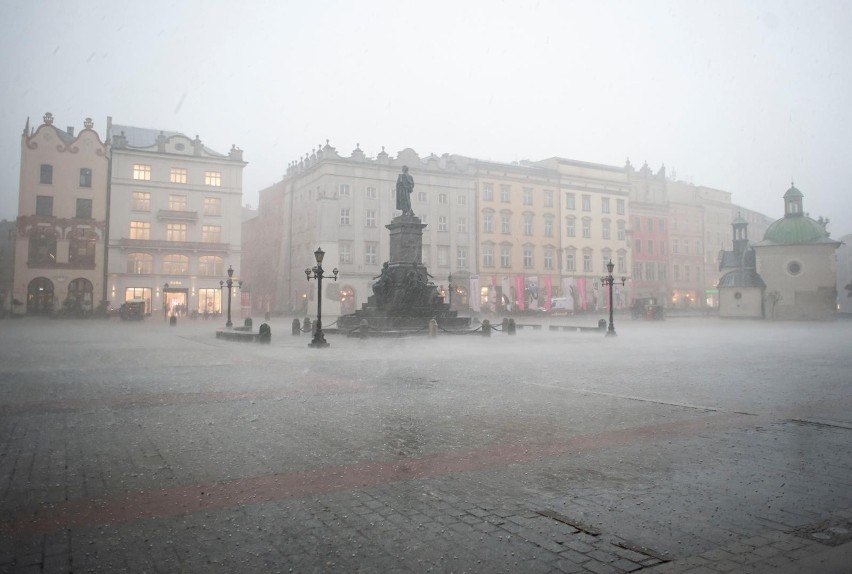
x=404, y=298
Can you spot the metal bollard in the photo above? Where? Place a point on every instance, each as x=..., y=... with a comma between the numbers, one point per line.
x=363, y=329
x=307, y=327
x=247, y=323
x=505, y=326
x=433, y=328
x=296, y=327
x=172, y=320
x=486, y=328
x=264, y=333
x=511, y=326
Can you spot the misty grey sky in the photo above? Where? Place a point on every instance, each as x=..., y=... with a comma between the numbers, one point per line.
x=741, y=96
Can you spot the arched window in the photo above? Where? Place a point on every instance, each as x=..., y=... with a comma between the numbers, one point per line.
x=175, y=264
x=40, y=296
x=80, y=292
x=140, y=263
x=210, y=265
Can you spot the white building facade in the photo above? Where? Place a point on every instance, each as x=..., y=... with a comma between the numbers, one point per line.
x=174, y=221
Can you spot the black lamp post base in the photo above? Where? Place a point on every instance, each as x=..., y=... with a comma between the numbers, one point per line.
x=319, y=342
x=611, y=333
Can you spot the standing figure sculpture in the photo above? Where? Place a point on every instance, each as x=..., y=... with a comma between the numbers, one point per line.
x=404, y=188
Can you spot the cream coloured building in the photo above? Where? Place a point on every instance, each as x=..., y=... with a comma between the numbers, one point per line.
x=174, y=220
x=61, y=224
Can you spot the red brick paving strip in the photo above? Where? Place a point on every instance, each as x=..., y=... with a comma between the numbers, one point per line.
x=132, y=506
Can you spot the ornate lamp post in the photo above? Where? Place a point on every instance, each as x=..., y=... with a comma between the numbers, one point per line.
x=230, y=283
x=609, y=280
x=319, y=338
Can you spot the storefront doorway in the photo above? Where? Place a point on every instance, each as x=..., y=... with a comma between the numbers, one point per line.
x=176, y=302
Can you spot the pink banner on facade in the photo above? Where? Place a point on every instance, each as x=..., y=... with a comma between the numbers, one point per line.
x=519, y=289
x=548, y=290
x=581, y=292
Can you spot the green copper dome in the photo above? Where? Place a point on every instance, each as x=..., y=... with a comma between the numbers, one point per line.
x=795, y=231
x=793, y=192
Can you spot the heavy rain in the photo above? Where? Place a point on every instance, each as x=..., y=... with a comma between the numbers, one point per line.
x=471, y=287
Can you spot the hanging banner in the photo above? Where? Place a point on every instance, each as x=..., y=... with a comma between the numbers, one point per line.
x=531, y=293
x=570, y=292
x=519, y=292
x=548, y=292
x=581, y=292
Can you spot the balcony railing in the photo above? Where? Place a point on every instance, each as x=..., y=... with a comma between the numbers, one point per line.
x=175, y=215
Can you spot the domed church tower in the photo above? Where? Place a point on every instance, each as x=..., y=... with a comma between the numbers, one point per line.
x=797, y=262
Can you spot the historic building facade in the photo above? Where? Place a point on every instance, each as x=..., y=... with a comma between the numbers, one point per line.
x=518, y=236
x=649, y=233
x=61, y=224
x=342, y=205
x=796, y=260
x=174, y=220
x=595, y=222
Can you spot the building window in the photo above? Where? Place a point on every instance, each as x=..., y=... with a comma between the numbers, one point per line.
x=209, y=301
x=461, y=224
x=461, y=199
x=570, y=227
x=488, y=256
x=422, y=197
x=140, y=264
x=487, y=192
x=548, y=198
x=140, y=230
x=650, y=224
x=344, y=216
x=661, y=271
x=649, y=271
x=528, y=224
x=622, y=233
x=650, y=246
x=211, y=233
x=46, y=173
x=44, y=205
x=686, y=272
x=370, y=192
x=210, y=266
x=370, y=218
x=661, y=224
x=622, y=264
x=488, y=222
x=84, y=209
x=570, y=263
x=587, y=262
x=140, y=201
x=177, y=202
x=345, y=252
x=443, y=256
x=662, y=247
x=177, y=175
x=605, y=258
x=794, y=268
x=619, y=206
x=443, y=199
x=505, y=193
x=548, y=227
x=461, y=257
x=142, y=171
x=85, y=177
x=213, y=178
x=686, y=246
x=604, y=205
x=174, y=264
x=570, y=201
x=42, y=249
x=442, y=223
x=637, y=271
x=587, y=228
x=638, y=246
x=528, y=196
x=213, y=206
x=548, y=258
x=605, y=225
x=587, y=203
x=677, y=272
x=176, y=232
x=675, y=248
x=528, y=258
x=505, y=256
x=344, y=191
x=371, y=254
x=505, y=224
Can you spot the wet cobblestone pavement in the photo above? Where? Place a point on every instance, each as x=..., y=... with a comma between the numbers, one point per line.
x=694, y=445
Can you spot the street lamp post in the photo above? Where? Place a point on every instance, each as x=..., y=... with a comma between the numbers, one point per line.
x=230, y=283
x=319, y=338
x=450, y=289
x=165, y=303
x=609, y=280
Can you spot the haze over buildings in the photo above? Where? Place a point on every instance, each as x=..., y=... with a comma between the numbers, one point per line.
x=739, y=97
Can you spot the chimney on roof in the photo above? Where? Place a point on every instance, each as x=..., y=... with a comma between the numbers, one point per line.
x=70, y=130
